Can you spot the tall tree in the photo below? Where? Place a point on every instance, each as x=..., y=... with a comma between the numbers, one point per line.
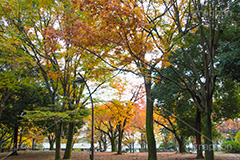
x=26, y=98
x=229, y=43
x=18, y=15
x=112, y=120
x=227, y=99
x=175, y=110
x=177, y=103
x=46, y=37
x=118, y=27
x=14, y=64
x=209, y=19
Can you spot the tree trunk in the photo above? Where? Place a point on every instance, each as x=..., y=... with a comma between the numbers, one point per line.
x=104, y=141
x=120, y=131
x=216, y=145
x=142, y=144
x=1, y=148
x=20, y=141
x=68, y=151
x=209, y=154
x=100, y=145
x=113, y=145
x=181, y=146
x=165, y=144
x=133, y=143
x=15, y=140
x=198, y=135
x=33, y=144
x=174, y=142
x=51, y=142
x=58, y=141
x=51, y=145
x=1, y=145
x=105, y=146
x=130, y=147
x=152, y=153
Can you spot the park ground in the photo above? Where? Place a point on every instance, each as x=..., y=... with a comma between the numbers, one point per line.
x=49, y=155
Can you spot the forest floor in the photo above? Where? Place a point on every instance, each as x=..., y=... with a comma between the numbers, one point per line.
x=49, y=155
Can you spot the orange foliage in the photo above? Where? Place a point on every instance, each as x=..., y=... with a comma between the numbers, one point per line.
x=113, y=30
x=231, y=127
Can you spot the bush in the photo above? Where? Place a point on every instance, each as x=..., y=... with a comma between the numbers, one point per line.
x=231, y=147
x=77, y=150
x=237, y=137
x=170, y=146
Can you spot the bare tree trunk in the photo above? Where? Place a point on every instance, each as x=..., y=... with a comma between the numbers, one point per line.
x=165, y=144
x=104, y=140
x=20, y=141
x=209, y=154
x=100, y=145
x=113, y=144
x=152, y=153
x=51, y=142
x=68, y=151
x=15, y=141
x=33, y=144
x=174, y=142
x=120, y=131
x=58, y=141
x=133, y=143
x=198, y=135
x=182, y=148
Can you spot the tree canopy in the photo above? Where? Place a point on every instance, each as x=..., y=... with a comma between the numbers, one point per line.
x=55, y=55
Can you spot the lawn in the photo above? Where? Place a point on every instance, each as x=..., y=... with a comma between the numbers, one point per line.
x=49, y=155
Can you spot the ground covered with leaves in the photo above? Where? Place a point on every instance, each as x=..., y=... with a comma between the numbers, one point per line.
x=49, y=155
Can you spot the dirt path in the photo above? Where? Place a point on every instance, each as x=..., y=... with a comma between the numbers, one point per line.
x=49, y=155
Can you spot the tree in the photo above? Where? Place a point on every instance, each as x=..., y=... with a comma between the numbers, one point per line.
x=177, y=108
x=229, y=127
x=21, y=30
x=106, y=125
x=227, y=99
x=6, y=135
x=14, y=77
x=229, y=44
x=51, y=49
x=132, y=106
x=138, y=122
x=112, y=119
x=14, y=64
x=118, y=26
x=209, y=23
x=175, y=123
x=25, y=98
x=165, y=139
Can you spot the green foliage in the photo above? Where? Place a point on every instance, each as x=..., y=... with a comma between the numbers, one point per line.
x=227, y=99
x=237, y=137
x=229, y=44
x=170, y=145
x=174, y=102
x=77, y=150
x=231, y=146
x=25, y=98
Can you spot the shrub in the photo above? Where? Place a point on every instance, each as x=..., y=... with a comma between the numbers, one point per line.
x=231, y=146
x=237, y=137
x=77, y=150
